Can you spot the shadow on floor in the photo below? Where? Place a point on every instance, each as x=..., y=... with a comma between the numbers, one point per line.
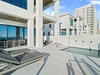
x=70, y=69
x=93, y=61
x=76, y=60
x=45, y=60
x=91, y=68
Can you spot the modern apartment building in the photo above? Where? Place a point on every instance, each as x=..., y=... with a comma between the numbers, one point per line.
x=68, y=25
x=19, y=18
x=88, y=13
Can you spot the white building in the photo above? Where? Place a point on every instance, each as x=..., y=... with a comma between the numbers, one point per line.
x=68, y=25
x=29, y=13
x=88, y=13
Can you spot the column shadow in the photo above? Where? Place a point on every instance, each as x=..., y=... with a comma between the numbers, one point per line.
x=45, y=60
x=79, y=65
x=70, y=69
x=92, y=69
x=93, y=61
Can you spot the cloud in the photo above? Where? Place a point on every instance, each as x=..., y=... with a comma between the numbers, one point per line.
x=49, y=11
x=62, y=7
x=95, y=2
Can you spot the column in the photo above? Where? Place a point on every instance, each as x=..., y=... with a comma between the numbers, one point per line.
x=30, y=23
x=30, y=30
x=30, y=6
x=56, y=5
x=39, y=23
x=78, y=24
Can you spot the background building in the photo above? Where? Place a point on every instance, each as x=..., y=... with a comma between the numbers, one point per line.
x=68, y=25
x=88, y=13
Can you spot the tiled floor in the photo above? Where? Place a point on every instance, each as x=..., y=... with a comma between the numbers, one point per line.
x=61, y=63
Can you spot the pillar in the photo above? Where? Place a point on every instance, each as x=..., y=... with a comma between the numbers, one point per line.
x=78, y=25
x=30, y=24
x=56, y=6
x=39, y=23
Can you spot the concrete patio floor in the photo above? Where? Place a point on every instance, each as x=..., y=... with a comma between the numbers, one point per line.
x=61, y=63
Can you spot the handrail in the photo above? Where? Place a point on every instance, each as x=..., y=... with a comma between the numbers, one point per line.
x=11, y=43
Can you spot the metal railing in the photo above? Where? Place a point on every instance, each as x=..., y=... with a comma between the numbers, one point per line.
x=12, y=43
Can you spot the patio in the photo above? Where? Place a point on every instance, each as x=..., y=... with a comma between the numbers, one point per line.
x=60, y=63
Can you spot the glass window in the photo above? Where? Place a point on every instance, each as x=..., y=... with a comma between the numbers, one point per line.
x=71, y=21
x=20, y=3
x=21, y=33
x=14, y=2
x=43, y=33
x=23, y=4
x=3, y=32
x=49, y=25
x=70, y=31
x=48, y=33
x=11, y=33
x=25, y=33
x=34, y=32
x=8, y=1
x=17, y=33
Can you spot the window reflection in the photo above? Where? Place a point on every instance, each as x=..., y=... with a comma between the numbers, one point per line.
x=3, y=32
x=14, y=2
x=21, y=33
x=11, y=33
x=20, y=3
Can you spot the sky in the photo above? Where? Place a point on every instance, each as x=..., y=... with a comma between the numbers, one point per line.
x=69, y=6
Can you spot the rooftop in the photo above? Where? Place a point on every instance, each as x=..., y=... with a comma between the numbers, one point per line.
x=61, y=63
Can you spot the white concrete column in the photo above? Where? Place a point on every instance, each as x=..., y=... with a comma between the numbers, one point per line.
x=30, y=24
x=78, y=25
x=30, y=5
x=56, y=6
x=39, y=23
x=30, y=30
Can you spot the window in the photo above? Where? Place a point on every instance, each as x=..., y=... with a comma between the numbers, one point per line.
x=43, y=33
x=71, y=21
x=3, y=32
x=14, y=2
x=20, y=3
x=49, y=25
x=11, y=33
x=21, y=34
x=23, y=4
x=70, y=31
x=25, y=33
x=48, y=33
x=63, y=32
x=75, y=32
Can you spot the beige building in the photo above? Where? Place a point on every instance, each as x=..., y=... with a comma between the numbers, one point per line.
x=88, y=13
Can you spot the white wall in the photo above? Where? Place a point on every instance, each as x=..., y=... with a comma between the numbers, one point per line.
x=15, y=11
x=86, y=44
x=78, y=40
x=13, y=23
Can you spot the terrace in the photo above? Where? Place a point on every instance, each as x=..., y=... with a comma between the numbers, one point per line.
x=60, y=63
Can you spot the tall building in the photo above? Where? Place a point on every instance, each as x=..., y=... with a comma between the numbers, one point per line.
x=88, y=13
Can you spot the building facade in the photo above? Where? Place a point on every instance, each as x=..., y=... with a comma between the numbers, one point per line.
x=68, y=25
x=21, y=17
x=88, y=13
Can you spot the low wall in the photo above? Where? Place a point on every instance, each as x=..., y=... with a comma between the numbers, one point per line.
x=85, y=41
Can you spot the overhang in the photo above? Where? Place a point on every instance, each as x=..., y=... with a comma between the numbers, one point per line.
x=45, y=2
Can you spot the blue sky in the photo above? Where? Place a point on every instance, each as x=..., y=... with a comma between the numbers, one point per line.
x=71, y=5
